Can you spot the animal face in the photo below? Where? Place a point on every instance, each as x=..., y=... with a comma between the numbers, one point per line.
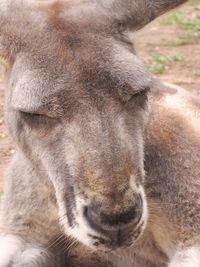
x=77, y=107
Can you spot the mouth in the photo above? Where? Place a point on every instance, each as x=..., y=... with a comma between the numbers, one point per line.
x=118, y=239
x=117, y=231
x=104, y=230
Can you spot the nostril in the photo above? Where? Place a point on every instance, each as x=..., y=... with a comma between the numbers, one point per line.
x=92, y=215
x=92, y=218
x=133, y=214
x=100, y=219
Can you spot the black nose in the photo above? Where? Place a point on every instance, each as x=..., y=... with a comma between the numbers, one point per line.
x=102, y=220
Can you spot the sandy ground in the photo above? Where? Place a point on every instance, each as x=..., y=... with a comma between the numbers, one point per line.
x=168, y=48
x=6, y=146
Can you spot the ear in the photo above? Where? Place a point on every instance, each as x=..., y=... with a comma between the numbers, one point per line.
x=134, y=14
x=14, y=27
x=8, y=49
x=16, y=17
x=11, y=29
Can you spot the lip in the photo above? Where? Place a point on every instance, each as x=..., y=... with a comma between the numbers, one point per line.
x=130, y=217
x=108, y=229
x=120, y=239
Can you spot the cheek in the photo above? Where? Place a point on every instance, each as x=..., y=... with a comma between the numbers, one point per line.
x=131, y=140
x=21, y=135
x=15, y=126
x=133, y=147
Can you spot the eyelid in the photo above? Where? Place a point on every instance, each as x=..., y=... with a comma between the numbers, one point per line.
x=36, y=114
x=39, y=121
x=138, y=93
x=143, y=91
x=35, y=117
x=31, y=114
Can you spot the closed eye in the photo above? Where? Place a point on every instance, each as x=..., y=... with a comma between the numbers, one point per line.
x=37, y=120
x=140, y=94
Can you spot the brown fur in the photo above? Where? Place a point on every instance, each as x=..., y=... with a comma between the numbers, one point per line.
x=89, y=120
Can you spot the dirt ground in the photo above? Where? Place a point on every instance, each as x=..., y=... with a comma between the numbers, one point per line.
x=6, y=146
x=170, y=47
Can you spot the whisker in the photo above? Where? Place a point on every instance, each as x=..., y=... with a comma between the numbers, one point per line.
x=55, y=242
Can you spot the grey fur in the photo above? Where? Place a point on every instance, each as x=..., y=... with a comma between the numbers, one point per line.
x=79, y=109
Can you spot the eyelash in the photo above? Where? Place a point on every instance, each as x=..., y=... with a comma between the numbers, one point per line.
x=31, y=115
x=143, y=92
x=35, y=119
x=41, y=119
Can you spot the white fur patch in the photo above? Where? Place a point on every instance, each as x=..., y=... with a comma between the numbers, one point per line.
x=145, y=209
x=140, y=191
x=145, y=213
x=189, y=257
x=80, y=230
x=4, y=6
x=33, y=256
x=180, y=104
x=14, y=250
x=9, y=247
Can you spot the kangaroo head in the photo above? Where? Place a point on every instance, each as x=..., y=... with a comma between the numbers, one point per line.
x=77, y=107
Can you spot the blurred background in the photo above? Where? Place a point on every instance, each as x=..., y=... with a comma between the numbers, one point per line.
x=170, y=47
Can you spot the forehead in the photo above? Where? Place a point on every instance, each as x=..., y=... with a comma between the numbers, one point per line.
x=48, y=63
x=61, y=60
x=39, y=87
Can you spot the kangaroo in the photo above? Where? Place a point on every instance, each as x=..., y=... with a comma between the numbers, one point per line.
x=107, y=165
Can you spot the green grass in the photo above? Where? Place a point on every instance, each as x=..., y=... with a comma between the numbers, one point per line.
x=197, y=74
x=161, y=62
x=3, y=61
x=173, y=19
x=190, y=26
x=158, y=68
x=195, y=2
x=185, y=39
x=178, y=19
x=168, y=58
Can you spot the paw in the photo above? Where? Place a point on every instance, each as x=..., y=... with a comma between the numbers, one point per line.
x=15, y=252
